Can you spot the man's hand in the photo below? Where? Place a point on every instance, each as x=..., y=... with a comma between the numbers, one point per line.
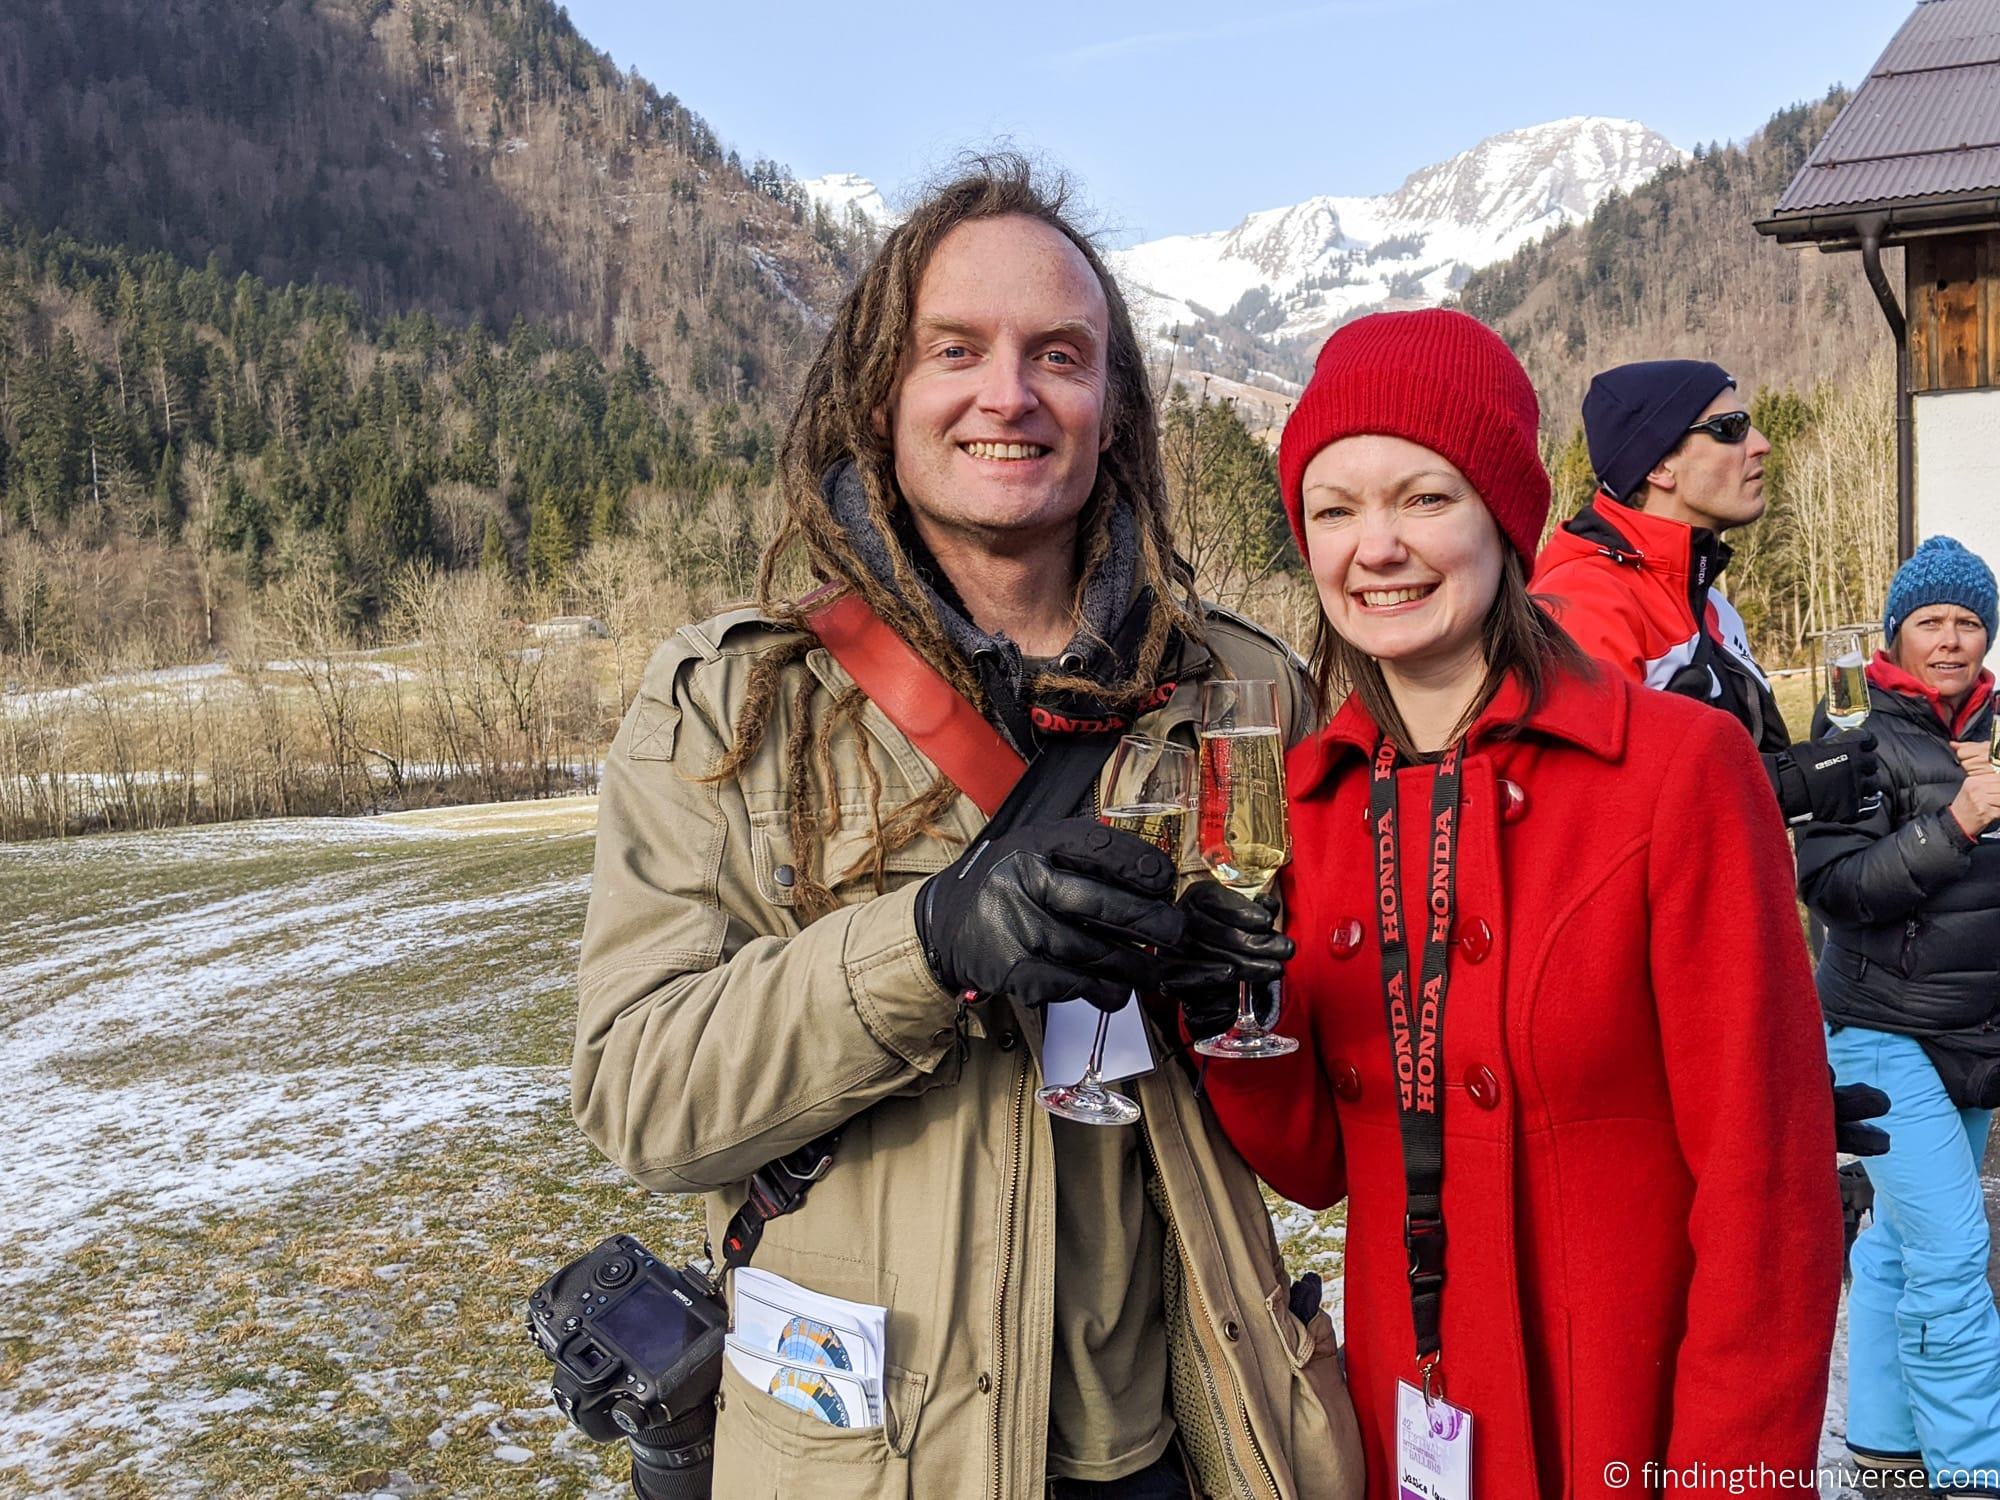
x=1230, y=940
x=1852, y=1104
x=1977, y=805
x=1052, y=911
x=1831, y=777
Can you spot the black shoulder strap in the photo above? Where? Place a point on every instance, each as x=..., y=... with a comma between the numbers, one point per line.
x=1054, y=786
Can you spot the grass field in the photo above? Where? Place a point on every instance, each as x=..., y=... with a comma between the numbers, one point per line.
x=287, y=1141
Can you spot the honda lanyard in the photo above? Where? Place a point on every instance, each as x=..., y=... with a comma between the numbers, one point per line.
x=1416, y=1030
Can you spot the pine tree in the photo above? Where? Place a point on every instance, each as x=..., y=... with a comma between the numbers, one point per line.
x=550, y=547
x=493, y=555
x=398, y=511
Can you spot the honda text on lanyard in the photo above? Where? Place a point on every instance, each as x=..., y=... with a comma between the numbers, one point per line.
x=1433, y=1437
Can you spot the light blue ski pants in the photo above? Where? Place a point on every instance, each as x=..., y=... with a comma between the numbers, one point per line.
x=1923, y=1335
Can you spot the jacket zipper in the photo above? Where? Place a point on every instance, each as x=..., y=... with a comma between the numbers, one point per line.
x=1203, y=1361
x=1014, y=1132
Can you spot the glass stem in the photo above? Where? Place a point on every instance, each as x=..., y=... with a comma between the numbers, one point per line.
x=1090, y=1080
x=1246, y=1011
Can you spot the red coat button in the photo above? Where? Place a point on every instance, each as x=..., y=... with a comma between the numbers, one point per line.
x=1346, y=1082
x=1513, y=802
x=1475, y=940
x=1345, y=939
x=1483, y=1087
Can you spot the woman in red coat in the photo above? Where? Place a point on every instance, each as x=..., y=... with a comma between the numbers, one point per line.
x=1579, y=1110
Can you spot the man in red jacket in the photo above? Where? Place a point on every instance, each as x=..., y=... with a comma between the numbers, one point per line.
x=1632, y=577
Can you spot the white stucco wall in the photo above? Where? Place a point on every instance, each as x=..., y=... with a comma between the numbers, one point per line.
x=1958, y=473
x=1958, y=468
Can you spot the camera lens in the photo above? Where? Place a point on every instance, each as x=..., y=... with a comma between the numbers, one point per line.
x=615, y=1272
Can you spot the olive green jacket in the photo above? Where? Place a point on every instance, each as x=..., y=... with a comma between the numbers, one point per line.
x=716, y=1034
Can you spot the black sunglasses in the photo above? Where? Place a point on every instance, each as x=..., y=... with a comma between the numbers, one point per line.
x=1726, y=427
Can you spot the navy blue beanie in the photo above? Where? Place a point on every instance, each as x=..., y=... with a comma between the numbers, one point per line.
x=1635, y=415
x=1941, y=571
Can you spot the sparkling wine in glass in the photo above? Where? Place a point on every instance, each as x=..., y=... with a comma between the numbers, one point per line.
x=1846, y=679
x=1147, y=790
x=1847, y=690
x=1245, y=837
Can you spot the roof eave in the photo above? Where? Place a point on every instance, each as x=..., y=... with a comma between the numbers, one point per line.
x=1841, y=226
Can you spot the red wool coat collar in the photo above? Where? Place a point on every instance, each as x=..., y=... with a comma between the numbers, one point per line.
x=1581, y=708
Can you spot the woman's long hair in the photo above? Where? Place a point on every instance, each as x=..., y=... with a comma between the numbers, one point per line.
x=851, y=379
x=1518, y=638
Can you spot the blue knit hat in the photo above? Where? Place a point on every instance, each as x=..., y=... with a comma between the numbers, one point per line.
x=1941, y=571
x=1635, y=415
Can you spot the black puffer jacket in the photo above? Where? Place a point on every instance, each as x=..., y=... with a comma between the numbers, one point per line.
x=1911, y=904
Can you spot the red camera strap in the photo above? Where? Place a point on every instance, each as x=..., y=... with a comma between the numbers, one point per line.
x=932, y=714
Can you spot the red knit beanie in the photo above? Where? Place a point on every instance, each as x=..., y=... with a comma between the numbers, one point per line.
x=1435, y=377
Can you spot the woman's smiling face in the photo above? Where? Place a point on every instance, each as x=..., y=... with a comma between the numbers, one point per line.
x=1405, y=554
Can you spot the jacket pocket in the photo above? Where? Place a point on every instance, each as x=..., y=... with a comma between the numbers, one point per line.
x=766, y=1450
x=1326, y=1448
x=844, y=855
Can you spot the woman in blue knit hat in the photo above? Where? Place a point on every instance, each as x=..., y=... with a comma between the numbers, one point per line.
x=1910, y=984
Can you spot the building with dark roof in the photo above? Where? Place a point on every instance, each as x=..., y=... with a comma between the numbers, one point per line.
x=1913, y=161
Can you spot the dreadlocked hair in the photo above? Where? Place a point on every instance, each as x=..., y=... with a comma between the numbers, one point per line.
x=852, y=377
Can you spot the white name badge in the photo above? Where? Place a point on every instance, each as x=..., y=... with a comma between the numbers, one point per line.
x=1433, y=1447
x=1072, y=1027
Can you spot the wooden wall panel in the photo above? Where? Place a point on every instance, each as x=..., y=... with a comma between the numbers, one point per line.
x=1952, y=286
x=1919, y=295
x=1989, y=323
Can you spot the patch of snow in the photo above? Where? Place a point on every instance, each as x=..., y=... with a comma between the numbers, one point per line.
x=80, y=1156
x=767, y=264
x=845, y=193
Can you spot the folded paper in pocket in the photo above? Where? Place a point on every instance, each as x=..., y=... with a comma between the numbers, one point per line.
x=834, y=1396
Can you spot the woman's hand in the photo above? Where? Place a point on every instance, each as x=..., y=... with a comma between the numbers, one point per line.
x=1973, y=755
x=1229, y=940
x=1977, y=805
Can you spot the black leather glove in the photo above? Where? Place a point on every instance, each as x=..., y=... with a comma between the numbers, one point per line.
x=1049, y=912
x=1853, y=1103
x=1827, y=779
x=1230, y=940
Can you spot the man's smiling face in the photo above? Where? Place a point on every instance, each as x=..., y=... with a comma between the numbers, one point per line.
x=998, y=415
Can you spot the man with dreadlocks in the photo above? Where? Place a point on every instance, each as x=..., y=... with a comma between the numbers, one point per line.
x=794, y=928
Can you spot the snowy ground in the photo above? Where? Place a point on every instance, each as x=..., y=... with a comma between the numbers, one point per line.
x=287, y=1140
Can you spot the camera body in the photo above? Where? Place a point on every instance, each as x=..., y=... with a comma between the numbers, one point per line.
x=637, y=1346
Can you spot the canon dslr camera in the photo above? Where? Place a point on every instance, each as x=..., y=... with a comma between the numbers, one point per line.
x=637, y=1347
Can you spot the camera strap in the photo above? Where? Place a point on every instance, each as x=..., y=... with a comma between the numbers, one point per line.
x=931, y=713
x=937, y=719
x=1416, y=1027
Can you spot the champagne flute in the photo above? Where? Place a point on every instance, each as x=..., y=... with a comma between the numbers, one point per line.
x=1847, y=690
x=1245, y=834
x=1147, y=790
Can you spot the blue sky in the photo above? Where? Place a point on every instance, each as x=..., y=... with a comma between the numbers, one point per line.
x=1181, y=116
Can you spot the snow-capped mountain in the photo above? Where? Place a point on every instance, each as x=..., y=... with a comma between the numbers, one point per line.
x=1325, y=259
x=848, y=192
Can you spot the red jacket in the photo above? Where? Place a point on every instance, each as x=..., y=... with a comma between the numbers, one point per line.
x=1642, y=1228
x=1638, y=591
